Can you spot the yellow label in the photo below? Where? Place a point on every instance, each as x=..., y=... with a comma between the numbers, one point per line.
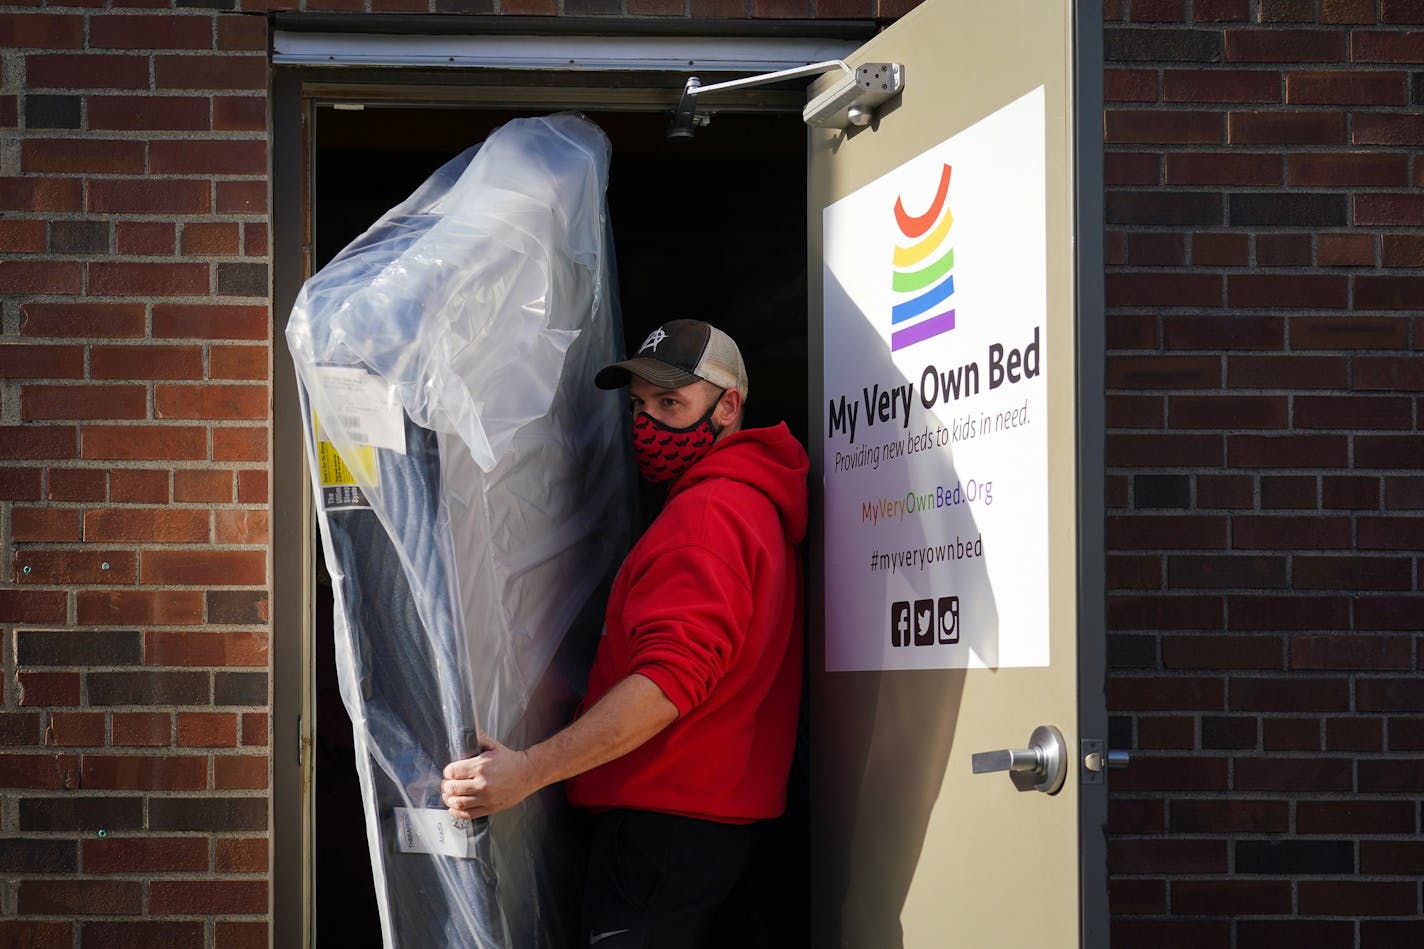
x=336, y=468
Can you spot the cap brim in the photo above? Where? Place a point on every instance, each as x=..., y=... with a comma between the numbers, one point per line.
x=655, y=371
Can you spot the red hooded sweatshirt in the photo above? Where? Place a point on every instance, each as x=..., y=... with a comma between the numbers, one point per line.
x=708, y=605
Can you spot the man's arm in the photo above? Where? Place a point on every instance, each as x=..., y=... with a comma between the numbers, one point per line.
x=629, y=714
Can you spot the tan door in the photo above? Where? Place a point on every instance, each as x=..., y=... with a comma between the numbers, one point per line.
x=956, y=584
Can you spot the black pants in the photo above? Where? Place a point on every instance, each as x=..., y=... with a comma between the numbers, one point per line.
x=655, y=881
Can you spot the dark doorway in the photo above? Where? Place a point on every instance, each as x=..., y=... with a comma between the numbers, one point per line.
x=713, y=229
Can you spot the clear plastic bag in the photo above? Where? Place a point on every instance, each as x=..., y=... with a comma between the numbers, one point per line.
x=472, y=491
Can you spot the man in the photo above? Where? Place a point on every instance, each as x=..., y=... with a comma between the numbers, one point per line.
x=685, y=736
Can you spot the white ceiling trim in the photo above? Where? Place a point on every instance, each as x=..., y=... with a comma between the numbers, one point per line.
x=677, y=53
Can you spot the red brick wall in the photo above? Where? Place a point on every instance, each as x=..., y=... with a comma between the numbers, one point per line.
x=134, y=445
x=1265, y=216
x=1265, y=226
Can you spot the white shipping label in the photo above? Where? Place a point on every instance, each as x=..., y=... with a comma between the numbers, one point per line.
x=365, y=408
x=432, y=830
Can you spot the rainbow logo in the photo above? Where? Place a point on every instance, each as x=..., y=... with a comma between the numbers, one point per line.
x=922, y=287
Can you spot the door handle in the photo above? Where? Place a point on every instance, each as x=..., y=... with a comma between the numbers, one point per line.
x=1042, y=766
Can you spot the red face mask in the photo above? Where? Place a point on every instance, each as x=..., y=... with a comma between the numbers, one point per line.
x=663, y=453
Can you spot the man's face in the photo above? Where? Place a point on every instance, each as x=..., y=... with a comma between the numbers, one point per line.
x=675, y=408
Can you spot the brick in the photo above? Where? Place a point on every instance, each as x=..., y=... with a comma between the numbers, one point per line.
x=1156, y=532
x=1380, y=46
x=1386, y=128
x=1231, y=412
x=1158, y=855
x=1405, y=494
x=145, y=772
x=1284, y=532
x=1284, y=46
x=22, y=237
x=90, y=813
x=21, y=361
x=145, y=238
x=1286, y=451
x=1287, y=128
x=41, y=31
x=82, y=320
x=1353, y=332
x=240, y=855
x=77, y=648
x=203, y=485
x=1386, y=613
x=1279, y=933
x=1135, y=411
x=1161, y=491
x=1172, y=932
x=1295, y=857
x=48, y=689
x=1229, y=817
x=213, y=239
x=40, y=276
x=241, y=527
x=242, y=197
x=1387, y=210
x=1346, y=250
x=76, y=730
x=1354, y=734
x=1300, y=209
x=142, y=934
x=1158, y=451
x=210, y=321
x=1166, y=694
x=1221, y=85
x=209, y=72
x=40, y=194
x=1351, y=573
x=1164, y=289
x=240, y=688
x=136, y=442
x=1388, y=451
x=1150, y=249
x=1166, y=732
x=240, y=772
x=86, y=71
x=254, y=239
x=1402, y=250
x=210, y=401
x=80, y=898
x=1392, y=857
x=1295, y=694
x=1165, y=127
x=255, y=728
x=1196, y=168
x=1169, y=773
x=1299, y=775
x=1391, y=776
x=1283, y=492
x=19, y=729
x=208, y=814
x=1390, y=695
x=146, y=361
x=1229, y=732
x=144, y=729
x=1350, y=817
x=148, y=688
x=35, y=525
x=156, y=31
x=239, y=362
x=143, y=279
x=1129, y=45
x=1353, y=493
x=242, y=33
x=139, y=607
x=1354, y=898
x=149, y=113
x=1353, y=412
x=1164, y=208
x=1131, y=652
x=1220, y=250
x=1129, y=85
x=1221, y=572
x=20, y=484
x=138, y=486
x=1137, y=816
x=51, y=403
x=1222, y=652
x=240, y=444
x=208, y=897
x=1338, y=87
x=81, y=155
x=215, y=158
x=207, y=730
x=239, y=113
x=242, y=935
x=1283, y=250
x=204, y=568
x=237, y=607
x=22, y=855
x=1285, y=11
x=243, y=280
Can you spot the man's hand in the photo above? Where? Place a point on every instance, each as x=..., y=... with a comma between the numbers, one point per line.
x=496, y=779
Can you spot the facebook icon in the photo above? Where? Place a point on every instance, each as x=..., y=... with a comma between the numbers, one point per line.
x=900, y=634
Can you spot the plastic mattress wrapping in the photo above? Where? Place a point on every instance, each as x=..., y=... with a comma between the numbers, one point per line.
x=473, y=491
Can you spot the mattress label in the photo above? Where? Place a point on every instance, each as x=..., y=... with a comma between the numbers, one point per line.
x=339, y=490
x=369, y=413
x=431, y=830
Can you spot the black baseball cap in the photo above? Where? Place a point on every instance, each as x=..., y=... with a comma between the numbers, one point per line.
x=679, y=353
